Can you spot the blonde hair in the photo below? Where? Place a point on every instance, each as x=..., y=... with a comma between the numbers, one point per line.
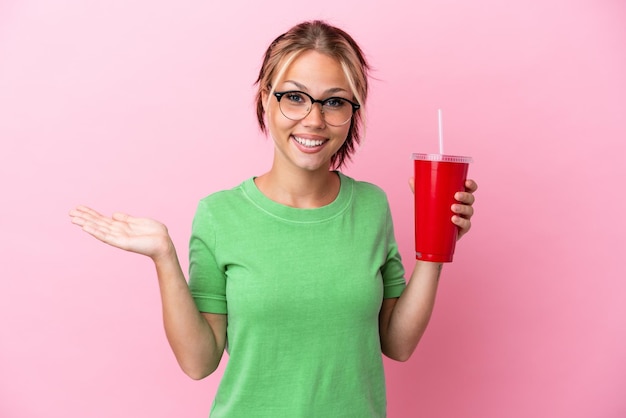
x=318, y=36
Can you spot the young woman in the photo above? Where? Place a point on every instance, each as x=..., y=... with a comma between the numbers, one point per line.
x=296, y=271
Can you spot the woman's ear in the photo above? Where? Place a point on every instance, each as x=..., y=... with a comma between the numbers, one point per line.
x=264, y=95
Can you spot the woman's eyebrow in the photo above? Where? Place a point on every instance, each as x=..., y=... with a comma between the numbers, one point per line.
x=302, y=87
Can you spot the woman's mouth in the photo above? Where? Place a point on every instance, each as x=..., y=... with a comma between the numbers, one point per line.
x=309, y=143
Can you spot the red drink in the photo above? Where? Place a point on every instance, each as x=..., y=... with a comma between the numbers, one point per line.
x=437, y=179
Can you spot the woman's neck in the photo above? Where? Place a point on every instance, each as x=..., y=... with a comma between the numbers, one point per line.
x=300, y=188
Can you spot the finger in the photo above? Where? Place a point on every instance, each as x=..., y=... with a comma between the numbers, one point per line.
x=97, y=232
x=412, y=184
x=465, y=197
x=75, y=214
x=465, y=211
x=79, y=216
x=91, y=221
x=464, y=225
x=107, y=230
x=87, y=211
x=471, y=186
x=85, y=214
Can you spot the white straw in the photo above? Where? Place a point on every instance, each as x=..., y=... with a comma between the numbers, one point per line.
x=440, y=135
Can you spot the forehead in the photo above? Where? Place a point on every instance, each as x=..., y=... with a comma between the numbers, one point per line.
x=314, y=71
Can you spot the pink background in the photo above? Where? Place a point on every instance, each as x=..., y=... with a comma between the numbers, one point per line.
x=146, y=107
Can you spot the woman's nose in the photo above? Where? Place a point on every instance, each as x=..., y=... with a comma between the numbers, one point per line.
x=315, y=117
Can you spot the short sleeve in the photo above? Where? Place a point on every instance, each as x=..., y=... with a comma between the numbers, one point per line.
x=207, y=280
x=393, y=270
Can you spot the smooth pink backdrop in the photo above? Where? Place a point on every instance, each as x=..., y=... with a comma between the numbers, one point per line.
x=146, y=106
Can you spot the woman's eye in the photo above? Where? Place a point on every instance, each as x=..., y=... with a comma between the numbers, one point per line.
x=294, y=97
x=334, y=102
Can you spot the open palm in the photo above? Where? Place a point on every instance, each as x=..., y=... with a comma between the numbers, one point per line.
x=139, y=235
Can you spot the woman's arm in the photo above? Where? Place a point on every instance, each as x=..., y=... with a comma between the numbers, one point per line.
x=197, y=339
x=403, y=320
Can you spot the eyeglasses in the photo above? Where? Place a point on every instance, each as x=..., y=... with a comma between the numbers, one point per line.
x=296, y=105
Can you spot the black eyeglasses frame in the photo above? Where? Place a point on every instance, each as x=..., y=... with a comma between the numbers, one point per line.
x=280, y=94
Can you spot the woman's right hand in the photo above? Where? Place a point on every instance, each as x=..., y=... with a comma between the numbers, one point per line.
x=197, y=339
x=139, y=235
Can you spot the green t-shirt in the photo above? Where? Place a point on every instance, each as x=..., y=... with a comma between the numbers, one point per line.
x=302, y=289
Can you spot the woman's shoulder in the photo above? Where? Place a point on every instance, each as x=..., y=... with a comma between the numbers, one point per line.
x=368, y=196
x=224, y=197
x=365, y=189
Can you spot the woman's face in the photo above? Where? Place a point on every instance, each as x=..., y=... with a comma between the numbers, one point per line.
x=308, y=144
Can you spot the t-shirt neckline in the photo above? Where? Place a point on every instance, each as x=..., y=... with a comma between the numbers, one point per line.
x=302, y=215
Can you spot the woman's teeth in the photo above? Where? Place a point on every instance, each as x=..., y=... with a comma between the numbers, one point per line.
x=309, y=142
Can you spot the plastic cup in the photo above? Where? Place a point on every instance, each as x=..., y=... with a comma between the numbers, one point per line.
x=437, y=178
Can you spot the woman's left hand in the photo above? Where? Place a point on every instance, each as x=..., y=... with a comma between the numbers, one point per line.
x=463, y=211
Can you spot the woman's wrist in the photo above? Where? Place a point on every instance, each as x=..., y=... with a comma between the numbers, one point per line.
x=166, y=252
x=428, y=269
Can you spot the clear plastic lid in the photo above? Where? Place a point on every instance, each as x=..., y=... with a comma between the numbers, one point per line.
x=443, y=158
